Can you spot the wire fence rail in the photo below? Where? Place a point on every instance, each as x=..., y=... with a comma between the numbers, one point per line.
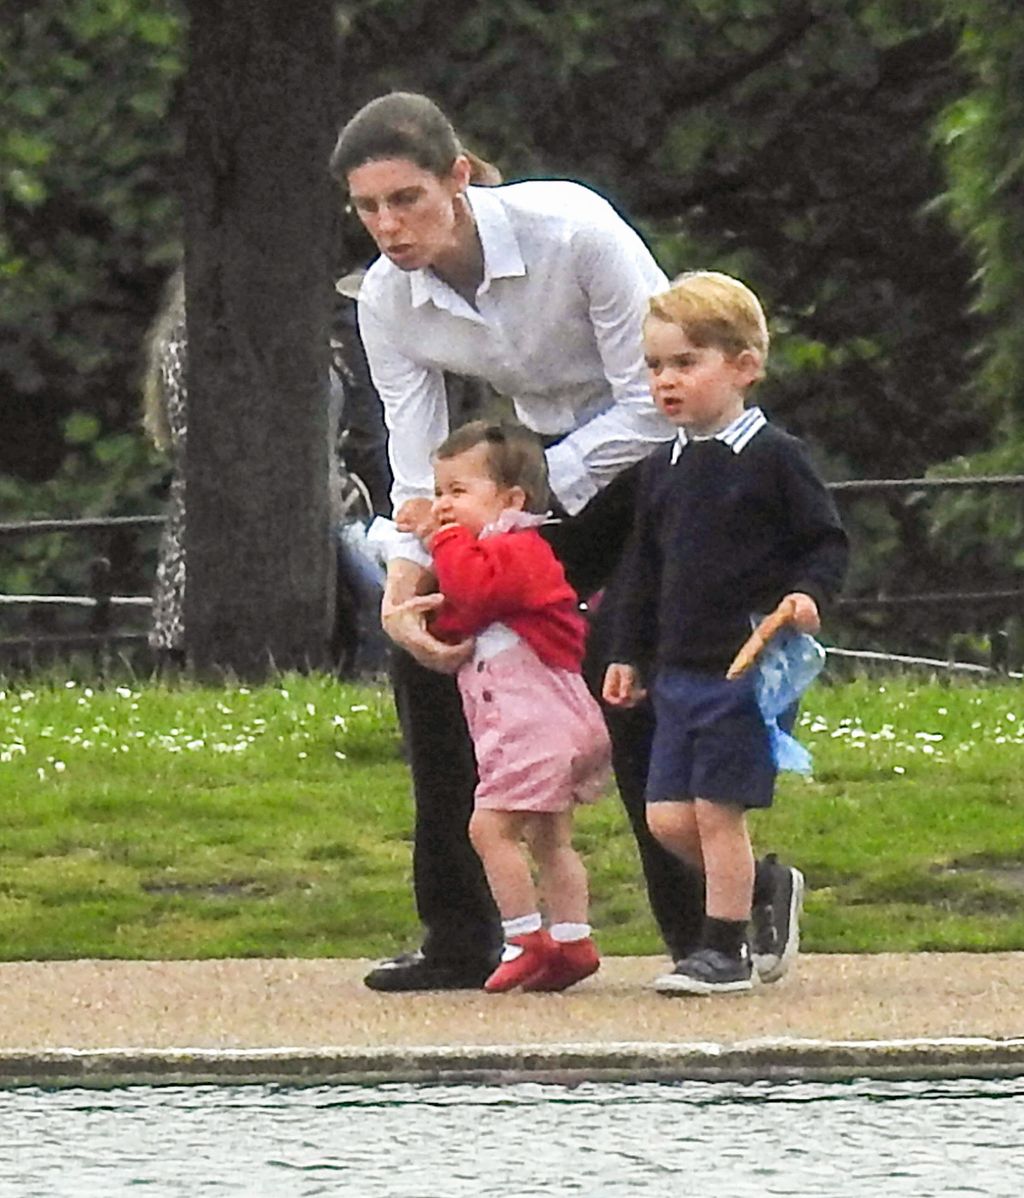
x=103, y=607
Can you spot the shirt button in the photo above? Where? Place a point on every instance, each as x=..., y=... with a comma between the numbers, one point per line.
x=487, y=696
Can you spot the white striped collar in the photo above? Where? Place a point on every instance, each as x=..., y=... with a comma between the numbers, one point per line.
x=736, y=435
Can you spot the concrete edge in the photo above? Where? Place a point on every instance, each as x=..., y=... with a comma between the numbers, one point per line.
x=776, y=1059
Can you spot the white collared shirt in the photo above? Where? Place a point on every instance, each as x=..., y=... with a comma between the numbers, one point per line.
x=737, y=434
x=556, y=328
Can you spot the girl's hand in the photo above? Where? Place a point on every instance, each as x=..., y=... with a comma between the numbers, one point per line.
x=621, y=687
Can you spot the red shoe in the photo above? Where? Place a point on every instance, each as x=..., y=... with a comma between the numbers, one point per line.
x=529, y=964
x=569, y=962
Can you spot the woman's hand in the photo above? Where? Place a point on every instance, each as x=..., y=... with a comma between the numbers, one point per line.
x=403, y=616
x=417, y=516
x=621, y=686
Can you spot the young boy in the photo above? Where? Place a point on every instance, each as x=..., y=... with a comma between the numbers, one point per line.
x=539, y=737
x=731, y=518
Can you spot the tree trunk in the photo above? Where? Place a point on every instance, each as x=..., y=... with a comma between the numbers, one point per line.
x=259, y=130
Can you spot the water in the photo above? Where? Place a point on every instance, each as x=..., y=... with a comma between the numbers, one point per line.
x=852, y=1140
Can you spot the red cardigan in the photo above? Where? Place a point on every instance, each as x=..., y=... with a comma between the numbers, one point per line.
x=511, y=577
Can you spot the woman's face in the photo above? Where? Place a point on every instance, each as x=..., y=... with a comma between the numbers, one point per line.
x=408, y=211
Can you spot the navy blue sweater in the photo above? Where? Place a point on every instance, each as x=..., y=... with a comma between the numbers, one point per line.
x=717, y=537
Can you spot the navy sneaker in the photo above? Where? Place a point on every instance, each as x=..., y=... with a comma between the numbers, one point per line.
x=708, y=971
x=775, y=922
x=413, y=971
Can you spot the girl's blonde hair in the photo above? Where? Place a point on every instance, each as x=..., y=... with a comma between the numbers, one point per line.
x=715, y=310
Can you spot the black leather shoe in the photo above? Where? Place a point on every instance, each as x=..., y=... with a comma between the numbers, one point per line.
x=412, y=971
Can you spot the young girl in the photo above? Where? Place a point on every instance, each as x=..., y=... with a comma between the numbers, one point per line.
x=539, y=737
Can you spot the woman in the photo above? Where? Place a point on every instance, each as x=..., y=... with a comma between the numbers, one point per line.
x=164, y=417
x=538, y=288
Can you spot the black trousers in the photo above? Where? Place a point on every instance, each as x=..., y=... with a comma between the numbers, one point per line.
x=453, y=900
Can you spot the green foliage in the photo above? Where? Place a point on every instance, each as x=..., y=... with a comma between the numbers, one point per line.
x=88, y=197
x=980, y=132
x=784, y=140
x=88, y=174
x=980, y=136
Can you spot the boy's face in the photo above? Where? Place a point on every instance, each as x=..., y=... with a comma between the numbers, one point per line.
x=465, y=493
x=697, y=387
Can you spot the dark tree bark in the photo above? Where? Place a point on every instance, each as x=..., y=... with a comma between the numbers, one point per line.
x=258, y=198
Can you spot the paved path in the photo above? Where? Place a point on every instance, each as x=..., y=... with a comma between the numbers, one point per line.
x=313, y=1020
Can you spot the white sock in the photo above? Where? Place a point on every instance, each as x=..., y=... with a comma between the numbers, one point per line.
x=565, y=933
x=521, y=926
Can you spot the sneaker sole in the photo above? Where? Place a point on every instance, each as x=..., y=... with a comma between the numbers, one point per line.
x=673, y=984
x=396, y=979
x=523, y=983
x=779, y=966
x=544, y=985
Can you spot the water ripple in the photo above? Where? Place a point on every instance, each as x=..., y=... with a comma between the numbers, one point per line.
x=844, y=1140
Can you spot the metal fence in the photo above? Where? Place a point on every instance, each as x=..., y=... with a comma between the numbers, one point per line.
x=998, y=609
x=115, y=540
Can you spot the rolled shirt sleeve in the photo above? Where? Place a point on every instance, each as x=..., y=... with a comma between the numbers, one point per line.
x=416, y=416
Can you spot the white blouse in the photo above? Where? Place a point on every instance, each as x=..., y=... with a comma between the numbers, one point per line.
x=556, y=328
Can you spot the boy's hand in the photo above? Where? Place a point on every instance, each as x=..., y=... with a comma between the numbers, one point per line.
x=621, y=687
x=805, y=612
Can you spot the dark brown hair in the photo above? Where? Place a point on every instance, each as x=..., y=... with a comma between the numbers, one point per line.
x=405, y=125
x=515, y=457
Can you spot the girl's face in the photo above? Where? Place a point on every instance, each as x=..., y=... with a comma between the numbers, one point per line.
x=465, y=493
x=698, y=387
x=408, y=211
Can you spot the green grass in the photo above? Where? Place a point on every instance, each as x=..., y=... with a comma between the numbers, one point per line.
x=150, y=821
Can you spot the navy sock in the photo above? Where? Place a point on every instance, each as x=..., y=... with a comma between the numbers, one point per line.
x=763, y=868
x=728, y=936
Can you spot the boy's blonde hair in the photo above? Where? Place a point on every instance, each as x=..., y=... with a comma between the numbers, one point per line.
x=515, y=457
x=714, y=310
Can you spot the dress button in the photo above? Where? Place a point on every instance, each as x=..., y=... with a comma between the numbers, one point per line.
x=487, y=696
x=479, y=667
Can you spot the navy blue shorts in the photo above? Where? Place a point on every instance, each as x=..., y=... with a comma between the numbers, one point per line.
x=710, y=741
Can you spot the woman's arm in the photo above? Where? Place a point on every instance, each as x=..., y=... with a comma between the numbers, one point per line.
x=403, y=616
x=415, y=409
x=618, y=276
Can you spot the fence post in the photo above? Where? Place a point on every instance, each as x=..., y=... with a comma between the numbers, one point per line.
x=999, y=650
x=100, y=590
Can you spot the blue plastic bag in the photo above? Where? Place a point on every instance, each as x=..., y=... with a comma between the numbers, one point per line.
x=786, y=668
